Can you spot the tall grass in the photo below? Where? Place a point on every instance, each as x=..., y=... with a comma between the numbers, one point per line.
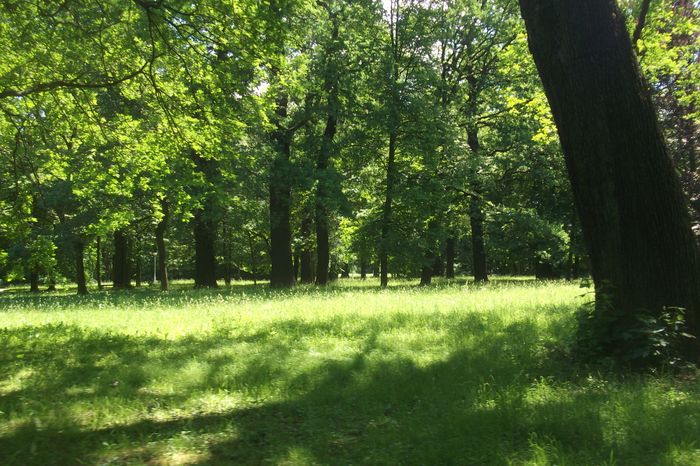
x=450, y=374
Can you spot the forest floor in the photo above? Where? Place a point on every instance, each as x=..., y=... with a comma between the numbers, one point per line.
x=448, y=374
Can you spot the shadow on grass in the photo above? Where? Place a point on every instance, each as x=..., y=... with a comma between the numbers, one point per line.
x=494, y=397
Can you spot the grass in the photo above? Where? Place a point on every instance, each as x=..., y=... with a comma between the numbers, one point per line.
x=449, y=374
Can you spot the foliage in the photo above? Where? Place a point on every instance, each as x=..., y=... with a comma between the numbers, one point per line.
x=606, y=334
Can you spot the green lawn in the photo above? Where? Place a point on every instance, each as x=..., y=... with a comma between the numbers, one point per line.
x=450, y=374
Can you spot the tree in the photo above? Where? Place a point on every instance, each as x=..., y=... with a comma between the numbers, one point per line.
x=627, y=193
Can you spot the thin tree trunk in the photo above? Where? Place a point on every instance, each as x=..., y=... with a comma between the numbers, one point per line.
x=295, y=264
x=138, y=265
x=476, y=213
x=629, y=199
x=107, y=264
x=570, y=253
x=34, y=280
x=80, y=267
x=322, y=243
x=160, y=245
x=121, y=274
x=253, y=259
x=426, y=274
x=98, y=262
x=363, y=268
x=323, y=177
x=228, y=268
x=450, y=258
x=476, y=220
x=305, y=253
x=387, y=211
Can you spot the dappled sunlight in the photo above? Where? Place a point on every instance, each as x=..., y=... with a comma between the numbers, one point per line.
x=485, y=385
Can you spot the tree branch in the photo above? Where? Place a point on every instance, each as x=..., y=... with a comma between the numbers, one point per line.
x=71, y=84
x=641, y=20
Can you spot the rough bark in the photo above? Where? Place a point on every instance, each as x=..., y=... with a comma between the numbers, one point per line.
x=161, y=227
x=629, y=199
x=80, y=267
x=121, y=271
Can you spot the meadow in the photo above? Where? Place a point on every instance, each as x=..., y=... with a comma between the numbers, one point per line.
x=449, y=374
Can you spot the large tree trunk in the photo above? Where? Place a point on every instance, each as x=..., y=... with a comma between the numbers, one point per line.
x=282, y=274
x=160, y=245
x=205, y=224
x=305, y=254
x=426, y=273
x=121, y=272
x=80, y=267
x=627, y=193
x=438, y=268
x=386, y=212
x=205, y=253
x=280, y=224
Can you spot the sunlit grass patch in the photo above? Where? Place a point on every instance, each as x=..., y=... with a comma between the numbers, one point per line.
x=450, y=374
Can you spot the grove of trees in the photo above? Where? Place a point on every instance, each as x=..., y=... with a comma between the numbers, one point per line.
x=301, y=140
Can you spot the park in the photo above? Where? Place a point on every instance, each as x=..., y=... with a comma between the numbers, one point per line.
x=376, y=232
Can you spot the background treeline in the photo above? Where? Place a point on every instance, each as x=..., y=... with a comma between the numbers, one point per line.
x=298, y=141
